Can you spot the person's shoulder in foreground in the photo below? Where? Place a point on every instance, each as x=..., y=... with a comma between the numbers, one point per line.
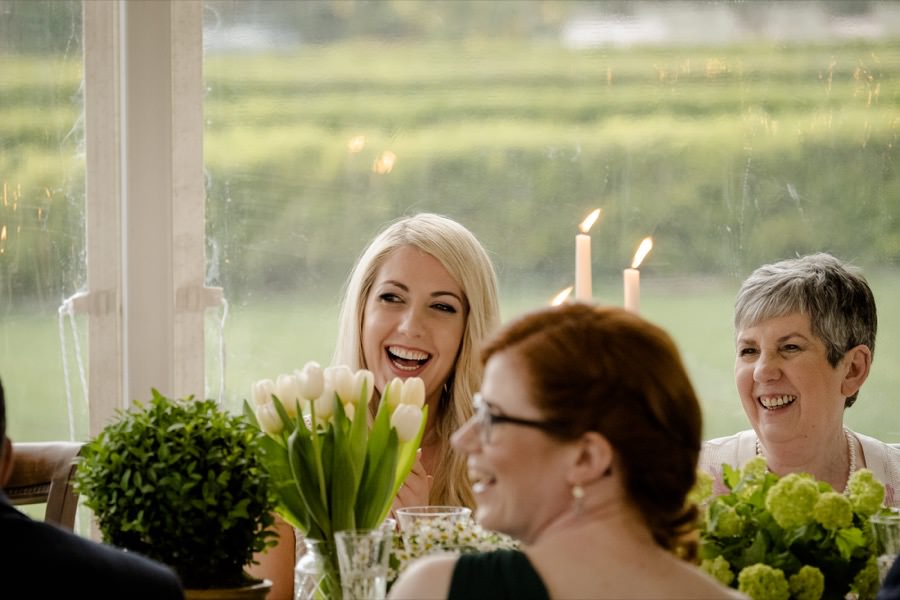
x=51, y=562
x=890, y=589
x=426, y=579
x=41, y=560
x=503, y=574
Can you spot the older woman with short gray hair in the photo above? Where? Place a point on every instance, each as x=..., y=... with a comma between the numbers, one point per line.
x=804, y=339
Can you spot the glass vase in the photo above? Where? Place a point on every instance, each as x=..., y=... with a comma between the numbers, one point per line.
x=316, y=576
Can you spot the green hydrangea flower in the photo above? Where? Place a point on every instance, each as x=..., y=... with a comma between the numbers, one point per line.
x=833, y=511
x=729, y=523
x=703, y=488
x=755, y=468
x=762, y=582
x=792, y=499
x=807, y=584
x=866, y=493
x=718, y=568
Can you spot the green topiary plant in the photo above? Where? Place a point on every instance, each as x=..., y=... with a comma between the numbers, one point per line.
x=182, y=482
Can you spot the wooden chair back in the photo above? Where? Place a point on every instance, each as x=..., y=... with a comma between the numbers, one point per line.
x=42, y=472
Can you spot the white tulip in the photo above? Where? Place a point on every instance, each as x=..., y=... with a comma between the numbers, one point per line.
x=324, y=404
x=262, y=391
x=312, y=380
x=287, y=388
x=349, y=410
x=342, y=381
x=268, y=418
x=393, y=393
x=413, y=392
x=367, y=377
x=406, y=420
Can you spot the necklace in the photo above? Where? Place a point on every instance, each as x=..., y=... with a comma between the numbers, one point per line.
x=851, y=445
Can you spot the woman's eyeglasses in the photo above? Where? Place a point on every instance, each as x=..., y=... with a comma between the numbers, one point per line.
x=485, y=420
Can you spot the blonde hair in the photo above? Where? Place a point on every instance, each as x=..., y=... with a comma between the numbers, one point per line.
x=468, y=263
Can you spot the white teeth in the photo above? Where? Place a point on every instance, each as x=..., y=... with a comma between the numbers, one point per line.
x=408, y=354
x=479, y=486
x=776, y=401
x=480, y=479
x=405, y=368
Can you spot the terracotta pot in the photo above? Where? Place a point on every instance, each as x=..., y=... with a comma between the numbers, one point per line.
x=256, y=591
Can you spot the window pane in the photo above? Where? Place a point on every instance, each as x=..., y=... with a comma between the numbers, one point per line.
x=733, y=133
x=41, y=216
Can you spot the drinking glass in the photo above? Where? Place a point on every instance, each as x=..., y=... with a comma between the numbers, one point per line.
x=363, y=555
x=431, y=529
x=886, y=528
x=389, y=525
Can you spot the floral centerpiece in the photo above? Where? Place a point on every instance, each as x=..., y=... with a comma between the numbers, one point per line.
x=776, y=538
x=334, y=470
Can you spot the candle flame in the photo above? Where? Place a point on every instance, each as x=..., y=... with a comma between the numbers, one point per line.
x=562, y=296
x=589, y=221
x=642, y=251
x=3, y=234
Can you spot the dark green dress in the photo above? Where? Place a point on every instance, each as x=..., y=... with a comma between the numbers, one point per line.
x=501, y=574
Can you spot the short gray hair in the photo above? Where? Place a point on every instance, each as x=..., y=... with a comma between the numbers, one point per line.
x=835, y=295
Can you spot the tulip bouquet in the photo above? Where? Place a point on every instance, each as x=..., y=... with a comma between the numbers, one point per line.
x=333, y=467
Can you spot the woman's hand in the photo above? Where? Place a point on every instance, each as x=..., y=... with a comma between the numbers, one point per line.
x=416, y=488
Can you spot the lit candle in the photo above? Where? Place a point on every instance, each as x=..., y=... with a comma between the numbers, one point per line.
x=583, y=289
x=561, y=297
x=632, y=277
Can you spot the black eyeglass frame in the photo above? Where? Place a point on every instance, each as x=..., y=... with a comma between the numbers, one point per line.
x=486, y=420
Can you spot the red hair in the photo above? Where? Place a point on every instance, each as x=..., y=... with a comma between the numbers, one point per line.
x=610, y=371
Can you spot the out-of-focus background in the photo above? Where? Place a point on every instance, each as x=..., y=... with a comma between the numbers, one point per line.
x=733, y=133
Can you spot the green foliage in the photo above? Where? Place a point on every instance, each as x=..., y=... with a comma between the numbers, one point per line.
x=183, y=483
x=790, y=536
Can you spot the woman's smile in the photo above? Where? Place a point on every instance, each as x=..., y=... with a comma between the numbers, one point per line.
x=413, y=321
x=407, y=361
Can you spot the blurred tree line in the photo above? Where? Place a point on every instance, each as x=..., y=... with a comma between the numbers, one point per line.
x=728, y=156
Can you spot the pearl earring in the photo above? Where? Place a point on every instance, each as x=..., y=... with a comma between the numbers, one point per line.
x=578, y=495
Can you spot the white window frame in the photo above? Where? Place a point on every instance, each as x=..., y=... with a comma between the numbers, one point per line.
x=145, y=229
